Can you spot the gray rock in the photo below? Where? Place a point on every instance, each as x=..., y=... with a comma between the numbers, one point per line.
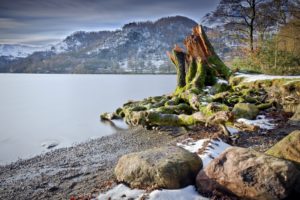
x=249, y=175
x=168, y=167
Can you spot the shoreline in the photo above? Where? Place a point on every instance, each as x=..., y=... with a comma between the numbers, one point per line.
x=80, y=170
x=86, y=169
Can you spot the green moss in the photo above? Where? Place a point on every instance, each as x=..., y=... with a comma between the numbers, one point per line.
x=199, y=80
x=120, y=112
x=138, y=108
x=196, y=91
x=179, y=62
x=205, y=111
x=220, y=87
x=264, y=106
x=235, y=80
x=191, y=71
x=249, y=99
x=165, y=110
x=186, y=120
x=220, y=97
x=210, y=78
x=212, y=108
x=179, y=90
x=219, y=66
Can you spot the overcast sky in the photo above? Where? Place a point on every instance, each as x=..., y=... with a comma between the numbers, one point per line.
x=47, y=21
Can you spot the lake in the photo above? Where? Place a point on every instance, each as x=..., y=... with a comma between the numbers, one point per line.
x=43, y=109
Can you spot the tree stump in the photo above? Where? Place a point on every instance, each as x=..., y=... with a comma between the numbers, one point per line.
x=196, y=68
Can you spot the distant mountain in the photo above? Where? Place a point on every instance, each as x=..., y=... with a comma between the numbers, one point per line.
x=139, y=47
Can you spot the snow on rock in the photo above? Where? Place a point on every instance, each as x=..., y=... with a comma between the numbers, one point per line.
x=256, y=77
x=121, y=191
x=213, y=149
x=188, y=192
x=261, y=121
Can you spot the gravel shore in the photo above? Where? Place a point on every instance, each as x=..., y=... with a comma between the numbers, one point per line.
x=84, y=170
x=81, y=170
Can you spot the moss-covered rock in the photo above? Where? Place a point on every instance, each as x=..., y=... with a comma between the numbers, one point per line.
x=213, y=108
x=288, y=148
x=245, y=110
x=220, y=87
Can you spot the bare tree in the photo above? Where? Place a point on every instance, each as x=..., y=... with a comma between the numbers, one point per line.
x=237, y=15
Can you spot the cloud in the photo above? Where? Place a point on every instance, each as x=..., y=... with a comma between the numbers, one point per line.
x=61, y=17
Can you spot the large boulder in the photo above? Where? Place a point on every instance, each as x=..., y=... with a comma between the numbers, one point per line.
x=249, y=175
x=245, y=110
x=169, y=167
x=295, y=119
x=288, y=148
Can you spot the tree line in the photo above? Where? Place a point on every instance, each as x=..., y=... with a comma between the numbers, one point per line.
x=267, y=31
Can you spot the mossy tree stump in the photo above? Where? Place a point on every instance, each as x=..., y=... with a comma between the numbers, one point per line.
x=196, y=68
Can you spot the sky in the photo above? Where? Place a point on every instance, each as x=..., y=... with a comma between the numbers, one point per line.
x=41, y=22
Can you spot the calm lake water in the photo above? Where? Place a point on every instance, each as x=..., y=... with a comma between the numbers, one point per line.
x=38, y=109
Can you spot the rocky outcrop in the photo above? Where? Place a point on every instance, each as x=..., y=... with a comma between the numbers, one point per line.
x=288, y=148
x=168, y=167
x=245, y=110
x=283, y=91
x=249, y=175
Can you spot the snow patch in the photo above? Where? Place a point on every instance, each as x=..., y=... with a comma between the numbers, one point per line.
x=261, y=121
x=121, y=191
x=256, y=77
x=213, y=150
x=222, y=81
x=188, y=192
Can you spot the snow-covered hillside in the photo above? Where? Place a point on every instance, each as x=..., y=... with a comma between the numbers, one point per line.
x=19, y=50
x=138, y=47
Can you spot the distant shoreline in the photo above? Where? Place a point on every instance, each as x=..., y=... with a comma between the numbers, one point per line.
x=92, y=73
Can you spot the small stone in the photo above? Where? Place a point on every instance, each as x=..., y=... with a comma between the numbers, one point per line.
x=53, y=189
